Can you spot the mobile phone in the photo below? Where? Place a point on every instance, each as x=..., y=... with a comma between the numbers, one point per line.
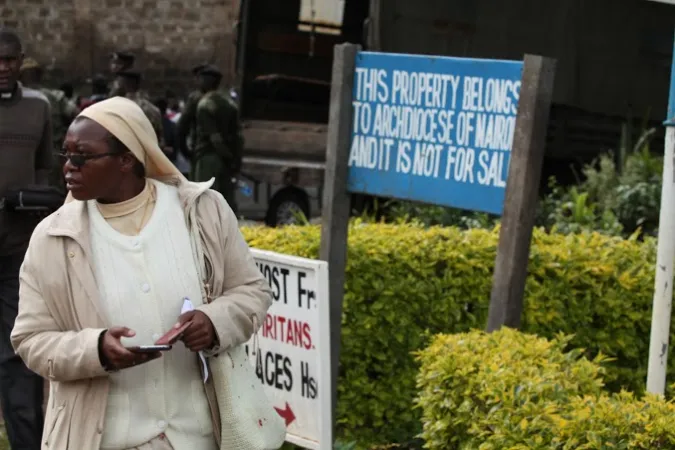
x=172, y=335
x=149, y=348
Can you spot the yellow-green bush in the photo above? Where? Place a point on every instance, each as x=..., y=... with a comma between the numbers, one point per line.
x=618, y=422
x=498, y=390
x=405, y=283
x=510, y=390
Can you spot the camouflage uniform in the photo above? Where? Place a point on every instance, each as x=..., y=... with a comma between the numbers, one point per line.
x=63, y=112
x=115, y=88
x=216, y=149
x=144, y=94
x=124, y=61
x=151, y=111
x=186, y=127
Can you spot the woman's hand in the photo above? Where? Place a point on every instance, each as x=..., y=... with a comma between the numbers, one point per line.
x=200, y=334
x=117, y=355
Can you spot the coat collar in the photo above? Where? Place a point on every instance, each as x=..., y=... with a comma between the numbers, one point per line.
x=72, y=219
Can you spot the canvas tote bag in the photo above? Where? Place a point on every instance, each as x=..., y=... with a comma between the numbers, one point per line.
x=248, y=420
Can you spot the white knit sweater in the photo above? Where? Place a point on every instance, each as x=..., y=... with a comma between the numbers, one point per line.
x=142, y=281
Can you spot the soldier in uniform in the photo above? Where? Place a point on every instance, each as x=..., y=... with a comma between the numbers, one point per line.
x=218, y=143
x=186, y=126
x=119, y=62
x=129, y=83
x=63, y=112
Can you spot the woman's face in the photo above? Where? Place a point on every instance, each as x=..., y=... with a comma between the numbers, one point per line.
x=92, y=169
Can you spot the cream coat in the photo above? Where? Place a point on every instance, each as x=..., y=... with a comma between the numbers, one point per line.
x=60, y=317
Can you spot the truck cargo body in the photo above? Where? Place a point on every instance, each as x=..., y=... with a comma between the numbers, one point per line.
x=613, y=66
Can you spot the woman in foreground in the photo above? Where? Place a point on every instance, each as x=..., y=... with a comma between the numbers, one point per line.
x=112, y=270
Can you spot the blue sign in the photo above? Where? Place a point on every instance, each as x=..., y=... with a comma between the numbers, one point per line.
x=670, y=120
x=433, y=129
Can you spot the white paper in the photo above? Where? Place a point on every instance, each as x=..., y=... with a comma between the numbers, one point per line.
x=187, y=306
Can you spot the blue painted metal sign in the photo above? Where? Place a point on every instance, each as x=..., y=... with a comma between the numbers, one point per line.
x=670, y=120
x=433, y=129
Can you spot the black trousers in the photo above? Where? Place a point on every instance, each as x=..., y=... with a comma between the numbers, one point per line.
x=21, y=390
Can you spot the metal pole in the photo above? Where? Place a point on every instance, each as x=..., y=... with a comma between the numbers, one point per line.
x=663, y=286
x=663, y=283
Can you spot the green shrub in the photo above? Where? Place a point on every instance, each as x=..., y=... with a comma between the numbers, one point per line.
x=618, y=422
x=612, y=198
x=500, y=390
x=406, y=282
x=631, y=190
x=510, y=390
x=430, y=215
x=571, y=211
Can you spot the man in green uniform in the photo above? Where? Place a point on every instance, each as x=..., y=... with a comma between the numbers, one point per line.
x=63, y=111
x=186, y=126
x=119, y=62
x=219, y=144
x=129, y=83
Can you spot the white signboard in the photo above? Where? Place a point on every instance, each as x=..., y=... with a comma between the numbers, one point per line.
x=329, y=13
x=293, y=360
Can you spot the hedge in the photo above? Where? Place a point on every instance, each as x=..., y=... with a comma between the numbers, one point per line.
x=405, y=283
x=518, y=391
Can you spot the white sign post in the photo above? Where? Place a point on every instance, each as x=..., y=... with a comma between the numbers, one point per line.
x=293, y=360
x=663, y=282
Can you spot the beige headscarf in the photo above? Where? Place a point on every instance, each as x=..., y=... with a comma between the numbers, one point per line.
x=125, y=120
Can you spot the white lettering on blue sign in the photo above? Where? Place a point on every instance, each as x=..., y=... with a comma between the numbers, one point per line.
x=433, y=129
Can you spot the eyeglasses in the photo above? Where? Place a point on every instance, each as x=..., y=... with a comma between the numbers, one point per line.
x=80, y=159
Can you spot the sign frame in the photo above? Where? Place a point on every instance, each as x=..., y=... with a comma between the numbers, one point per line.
x=320, y=268
x=524, y=174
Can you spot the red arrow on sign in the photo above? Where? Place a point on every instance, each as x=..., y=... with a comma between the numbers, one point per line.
x=286, y=414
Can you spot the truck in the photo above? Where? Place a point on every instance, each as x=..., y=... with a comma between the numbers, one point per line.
x=613, y=70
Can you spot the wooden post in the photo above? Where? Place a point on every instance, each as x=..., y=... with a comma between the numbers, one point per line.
x=522, y=191
x=335, y=214
x=375, y=26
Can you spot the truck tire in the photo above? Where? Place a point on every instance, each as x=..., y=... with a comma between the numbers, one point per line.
x=286, y=206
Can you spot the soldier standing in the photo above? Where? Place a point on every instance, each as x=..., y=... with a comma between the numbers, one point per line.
x=219, y=144
x=63, y=111
x=119, y=62
x=129, y=83
x=186, y=126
